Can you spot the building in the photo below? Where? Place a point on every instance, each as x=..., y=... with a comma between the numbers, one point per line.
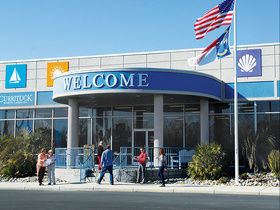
x=138, y=99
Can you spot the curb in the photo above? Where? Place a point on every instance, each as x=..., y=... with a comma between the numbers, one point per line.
x=213, y=190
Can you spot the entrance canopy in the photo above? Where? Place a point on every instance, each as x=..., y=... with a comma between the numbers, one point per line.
x=105, y=85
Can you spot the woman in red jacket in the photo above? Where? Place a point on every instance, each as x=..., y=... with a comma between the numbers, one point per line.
x=40, y=165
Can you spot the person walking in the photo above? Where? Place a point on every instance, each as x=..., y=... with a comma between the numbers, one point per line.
x=40, y=165
x=100, y=150
x=51, y=167
x=162, y=166
x=141, y=171
x=107, y=164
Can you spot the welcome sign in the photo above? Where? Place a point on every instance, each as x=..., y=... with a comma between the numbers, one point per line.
x=136, y=81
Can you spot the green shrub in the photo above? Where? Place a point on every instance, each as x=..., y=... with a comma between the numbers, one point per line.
x=207, y=162
x=19, y=165
x=18, y=155
x=223, y=180
x=244, y=176
x=274, y=162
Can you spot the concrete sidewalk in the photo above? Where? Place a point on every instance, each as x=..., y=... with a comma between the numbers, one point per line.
x=129, y=187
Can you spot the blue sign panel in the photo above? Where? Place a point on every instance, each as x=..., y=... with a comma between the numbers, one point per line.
x=17, y=99
x=141, y=81
x=16, y=76
x=45, y=98
x=250, y=90
x=249, y=63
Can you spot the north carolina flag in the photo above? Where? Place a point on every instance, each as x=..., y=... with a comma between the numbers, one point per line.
x=216, y=17
x=218, y=49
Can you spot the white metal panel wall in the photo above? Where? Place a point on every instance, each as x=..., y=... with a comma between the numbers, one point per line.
x=175, y=59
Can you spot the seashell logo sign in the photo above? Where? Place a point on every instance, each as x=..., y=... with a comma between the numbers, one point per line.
x=249, y=63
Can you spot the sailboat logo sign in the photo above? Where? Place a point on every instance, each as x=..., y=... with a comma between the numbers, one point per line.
x=16, y=76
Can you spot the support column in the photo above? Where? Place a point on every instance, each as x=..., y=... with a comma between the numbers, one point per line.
x=73, y=124
x=158, y=126
x=204, y=121
x=72, y=133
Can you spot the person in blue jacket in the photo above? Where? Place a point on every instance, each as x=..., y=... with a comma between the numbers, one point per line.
x=107, y=164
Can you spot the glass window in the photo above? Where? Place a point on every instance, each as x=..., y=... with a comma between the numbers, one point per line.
x=244, y=107
x=143, y=121
x=60, y=112
x=143, y=116
x=122, y=111
x=263, y=106
x=139, y=110
x=85, y=112
x=221, y=132
x=275, y=106
x=122, y=133
x=43, y=113
x=173, y=131
x=192, y=130
x=60, y=133
x=7, y=127
x=84, y=135
x=44, y=128
x=102, y=111
x=268, y=106
x=24, y=126
x=24, y=113
x=7, y=114
x=173, y=109
x=219, y=108
x=101, y=130
x=271, y=122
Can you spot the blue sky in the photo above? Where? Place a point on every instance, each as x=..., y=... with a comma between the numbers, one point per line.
x=32, y=29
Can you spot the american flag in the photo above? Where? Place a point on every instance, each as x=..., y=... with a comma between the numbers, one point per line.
x=219, y=15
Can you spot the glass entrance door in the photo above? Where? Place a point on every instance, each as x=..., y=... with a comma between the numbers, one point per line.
x=142, y=138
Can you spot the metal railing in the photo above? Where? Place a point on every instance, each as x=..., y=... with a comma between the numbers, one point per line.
x=74, y=157
x=175, y=156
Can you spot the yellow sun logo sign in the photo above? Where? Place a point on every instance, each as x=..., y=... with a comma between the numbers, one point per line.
x=55, y=69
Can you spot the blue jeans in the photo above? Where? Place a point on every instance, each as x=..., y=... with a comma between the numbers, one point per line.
x=160, y=174
x=104, y=169
x=51, y=174
x=141, y=173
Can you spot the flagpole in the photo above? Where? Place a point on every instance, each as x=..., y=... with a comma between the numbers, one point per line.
x=235, y=100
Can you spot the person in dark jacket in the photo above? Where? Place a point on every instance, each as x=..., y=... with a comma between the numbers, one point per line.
x=107, y=164
x=99, y=153
x=162, y=166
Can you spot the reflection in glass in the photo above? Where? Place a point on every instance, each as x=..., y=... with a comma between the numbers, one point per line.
x=43, y=113
x=215, y=108
x=192, y=126
x=7, y=114
x=220, y=132
x=125, y=111
x=45, y=129
x=101, y=128
x=85, y=112
x=173, y=131
x=84, y=134
x=24, y=127
x=7, y=127
x=60, y=112
x=24, y=113
x=102, y=111
x=122, y=129
x=60, y=133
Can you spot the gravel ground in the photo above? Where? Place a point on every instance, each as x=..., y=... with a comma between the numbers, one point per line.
x=253, y=179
